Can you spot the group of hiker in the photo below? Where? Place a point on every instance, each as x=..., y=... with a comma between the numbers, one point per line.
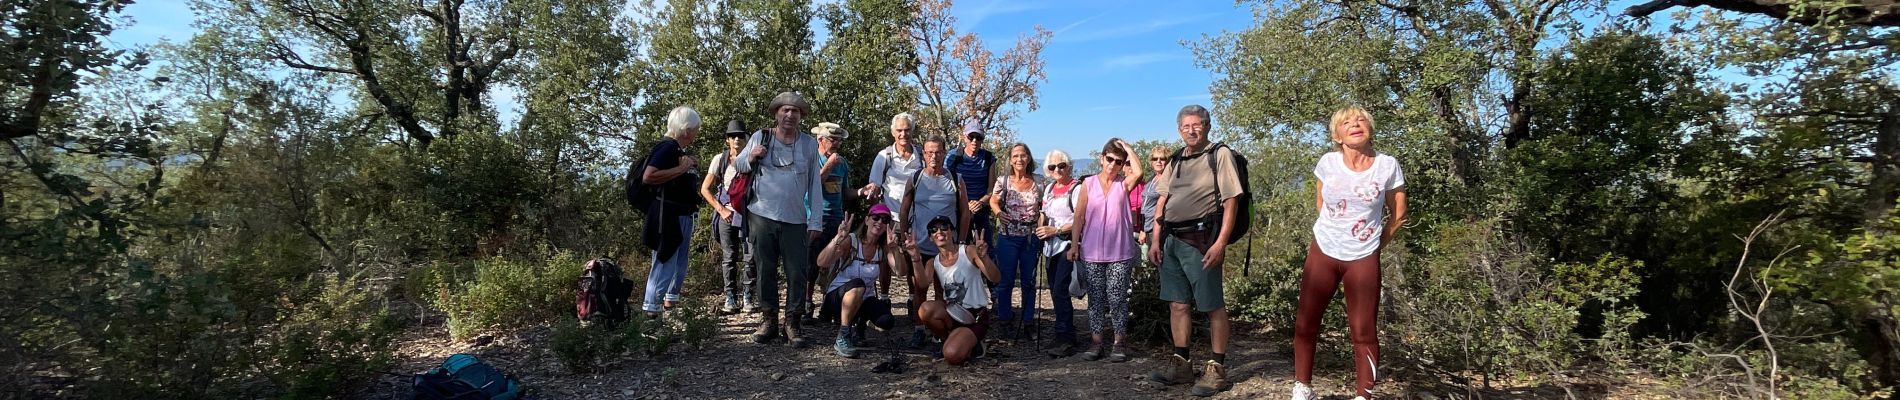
x=967, y=236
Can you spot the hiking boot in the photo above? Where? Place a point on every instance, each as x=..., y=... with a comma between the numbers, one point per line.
x=751, y=305
x=791, y=332
x=1120, y=354
x=918, y=338
x=1174, y=371
x=768, y=328
x=1094, y=352
x=1302, y=392
x=1062, y=348
x=843, y=345
x=1213, y=380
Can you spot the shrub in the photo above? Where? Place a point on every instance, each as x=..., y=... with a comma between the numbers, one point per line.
x=511, y=292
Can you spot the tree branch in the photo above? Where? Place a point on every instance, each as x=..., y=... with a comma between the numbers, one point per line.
x=1865, y=12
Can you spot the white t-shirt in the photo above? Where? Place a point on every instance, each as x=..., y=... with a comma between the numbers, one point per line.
x=963, y=286
x=719, y=188
x=860, y=269
x=893, y=174
x=1353, y=215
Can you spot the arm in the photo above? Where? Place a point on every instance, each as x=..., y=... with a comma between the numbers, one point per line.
x=1319, y=195
x=840, y=245
x=963, y=213
x=1230, y=211
x=655, y=176
x=1394, y=199
x=749, y=155
x=903, y=215
x=705, y=188
x=1081, y=194
x=996, y=203
x=1158, y=232
x=984, y=263
x=1134, y=172
x=815, y=191
x=875, y=180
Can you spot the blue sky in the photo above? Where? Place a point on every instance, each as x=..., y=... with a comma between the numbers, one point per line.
x=1116, y=68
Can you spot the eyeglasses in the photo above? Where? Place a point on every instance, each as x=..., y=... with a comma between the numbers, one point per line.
x=1158, y=159
x=1059, y=166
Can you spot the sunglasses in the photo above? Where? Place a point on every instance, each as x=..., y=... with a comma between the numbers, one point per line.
x=1158, y=159
x=1116, y=161
x=1059, y=166
x=938, y=229
x=879, y=219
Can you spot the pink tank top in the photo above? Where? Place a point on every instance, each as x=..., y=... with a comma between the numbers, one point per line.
x=1110, y=237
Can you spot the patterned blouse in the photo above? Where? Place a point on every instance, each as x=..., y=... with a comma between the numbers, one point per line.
x=1020, y=208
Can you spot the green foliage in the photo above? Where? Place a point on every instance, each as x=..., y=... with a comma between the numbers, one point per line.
x=508, y=293
x=322, y=348
x=592, y=347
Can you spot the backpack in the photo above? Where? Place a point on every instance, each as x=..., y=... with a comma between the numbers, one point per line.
x=640, y=195
x=463, y=376
x=740, y=191
x=1244, y=221
x=602, y=292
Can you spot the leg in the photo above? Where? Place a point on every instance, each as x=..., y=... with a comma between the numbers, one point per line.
x=848, y=306
x=1026, y=264
x=729, y=267
x=1006, y=251
x=765, y=237
x=1117, y=296
x=958, y=346
x=657, y=281
x=1097, y=274
x=797, y=244
x=1176, y=289
x=932, y=315
x=1060, y=274
x=682, y=258
x=1362, y=318
x=1319, y=280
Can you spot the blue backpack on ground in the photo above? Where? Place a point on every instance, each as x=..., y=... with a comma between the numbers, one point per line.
x=463, y=377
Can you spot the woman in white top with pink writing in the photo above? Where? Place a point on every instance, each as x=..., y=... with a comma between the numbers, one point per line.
x=1357, y=187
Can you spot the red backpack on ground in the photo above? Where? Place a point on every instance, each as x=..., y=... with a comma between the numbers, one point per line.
x=602, y=293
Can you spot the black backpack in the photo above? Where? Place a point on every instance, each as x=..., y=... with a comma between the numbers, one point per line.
x=1244, y=221
x=601, y=293
x=640, y=195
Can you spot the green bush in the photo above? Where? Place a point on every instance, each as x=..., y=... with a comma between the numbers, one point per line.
x=511, y=292
x=591, y=347
x=324, y=346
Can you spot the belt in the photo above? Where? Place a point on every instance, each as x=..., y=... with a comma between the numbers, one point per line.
x=1203, y=224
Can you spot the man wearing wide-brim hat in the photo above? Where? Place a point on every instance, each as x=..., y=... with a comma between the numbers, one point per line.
x=784, y=214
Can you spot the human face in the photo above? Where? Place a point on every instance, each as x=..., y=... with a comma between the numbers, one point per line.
x=1158, y=161
x=1019, y=160
x=1113, y=163
x=900, y=133
x=733, y=142
x=685, y=137
x=944, y=236
x=1060, y=170
x=933, y=154
x=788, y=117
x=1193, y=131
x=1353, y=132
x=875, y=224
x=970, y=142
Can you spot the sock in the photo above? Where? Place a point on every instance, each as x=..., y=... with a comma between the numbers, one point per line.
x=1220, y=358
x=1181, y=351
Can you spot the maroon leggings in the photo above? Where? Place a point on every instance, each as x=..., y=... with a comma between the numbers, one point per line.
x=1318, y=283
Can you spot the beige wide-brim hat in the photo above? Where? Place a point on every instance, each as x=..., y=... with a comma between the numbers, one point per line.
x=788, y=98
x=829, y=130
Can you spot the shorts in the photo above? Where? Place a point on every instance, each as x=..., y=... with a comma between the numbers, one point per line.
x=875, y=310
x=1184, y=281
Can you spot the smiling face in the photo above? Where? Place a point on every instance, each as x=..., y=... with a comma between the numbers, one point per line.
x=1158, y=159
x=876, y=224
x=943, y=234
x=900, y=132
x=733, y=142
x=1352, y=128
x=1019, y=160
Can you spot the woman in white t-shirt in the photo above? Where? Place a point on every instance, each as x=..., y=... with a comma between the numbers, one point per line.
x=959, y=313
x=1357, y=187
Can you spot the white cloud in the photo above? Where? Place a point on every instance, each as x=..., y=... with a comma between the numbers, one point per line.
x=1127, y=30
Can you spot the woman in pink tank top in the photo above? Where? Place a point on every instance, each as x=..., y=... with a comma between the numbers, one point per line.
x=1106, y=247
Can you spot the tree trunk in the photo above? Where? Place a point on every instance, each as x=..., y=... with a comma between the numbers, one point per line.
x=1883, y=187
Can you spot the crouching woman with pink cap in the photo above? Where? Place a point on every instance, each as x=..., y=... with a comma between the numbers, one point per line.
x=867, y=259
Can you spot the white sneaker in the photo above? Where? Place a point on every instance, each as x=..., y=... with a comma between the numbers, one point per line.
x=1302, y=392
x=1358, y=397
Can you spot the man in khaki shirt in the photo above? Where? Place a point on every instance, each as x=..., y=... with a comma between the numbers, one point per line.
x=1198, y=206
